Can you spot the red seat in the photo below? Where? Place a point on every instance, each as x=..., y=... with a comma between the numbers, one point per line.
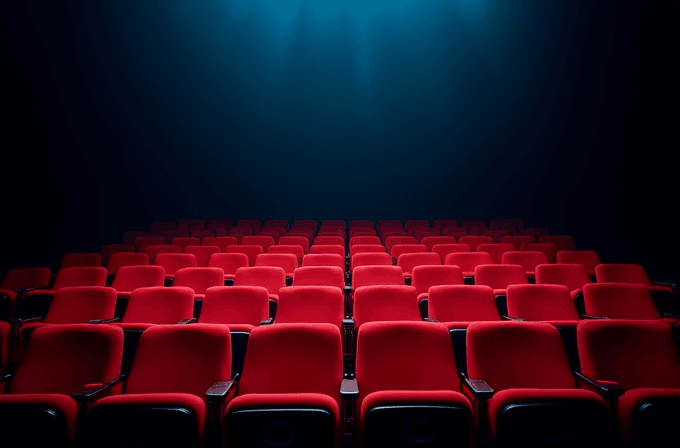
x=392, y=241
x=431, y=241
x=528, y=260
x=371, y=259
x=293, y=249
x=202, y=254
x=199, y=279
x=311, y=304
x=324, y=260
x=399, y=249
x=184, y=241
x=108, y=249
x=534, y=400
x=327, y=249
x=496, y=250
x=409, y=392
x=290, y=385
x=258, y=240
x=586, y=258
x=561, y=242
x=120, y=259
x=329, y=240
x=164, y=403
x=573, y=276
x=385, y=303
x=458, y=305
x=444, y=249
x=201, y=234
x=17, y=282
x=424, y=277
x=642, y=358
x=37, y=407
x=141, y=242
x=549, y=249
x=629, y=273
x=409, y=261
x=271, y=277
x=364, y=239
x=288, y=262
x=546, y=303
x=81, y=260
x=218, y=224
x=360, y=248
x=130, y=278
x=251, y=250
x=220, y=241
x=478, y=225
x=295, y=241
x=157, y=305
x=156, y=249
x=517, y=240
x=240, y=307
x=377, y=275
x=172, y=262
x=506, y=224
x=468, y=261
x=319, y=276
x=253, y=224
x=229, y=263
x=620, y=301
x=439, y=223
x=474, y=241
x=499, y=276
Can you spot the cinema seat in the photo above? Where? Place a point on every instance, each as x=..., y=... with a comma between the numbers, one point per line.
x=79, y=260
x=199, y=279
x=173, y=262
x=289, y=262
x=108, y=249
x=184, y=241
x=573, y=276
x=176, y=386
x=520, y=373
x=44, y=397
x=220, y=241
x=431, y=241
x=496, y=250
x=252, y=251
x=324, y=260
x=229, y=263
x=319, y=276
x=385, y=303
x=295, y=241
x=468, y=262
x=586, y=258
x=360, y=248
x=141, y=242
x=156, y=249
x=499, y=276
x=473, y=241
x=271, y=277
x=329, y=240
x=635, y=366
x=444, y=249
x=399, y=249
x=16, y=283
x=376, y=275
x=370, y=259
x=425, y=276
x=409, y=261
x=629, y=273
x=517, y=240
x=129, y=278
x=561, y=242
x=392, y=241
x=157, y=305
x=289, y=393
x=218, y=223
x=622, y=301
x=528, y=260
x=120, y=259
x=409, y=392
x=542, y=303
x=327, y=249
x=549, y=249
x=311, y=304
x=456, y=306
x=439, y=223
x=202, y=254
x=260, y=240
x=364, y=239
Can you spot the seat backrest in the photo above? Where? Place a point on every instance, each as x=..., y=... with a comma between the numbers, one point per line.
x=252, y=250
x=228, y=262
x=499, y=276
x=62, y=359
x=129, y=278
x=359, y=248
x=439, y=223
x=259, y=240
x=468, y=261
x=541, y=302
x=561, y=242
x=172, y=262
x=199, y=279
x=634, y=354
x=312, y=304
x=549, y=249
x=220, y=241
x=444, y=249
x=278, y=223
x=81, y=260
x=81, y=304
x=87, y=276
x=202, y=234
x=377, y=275
x=143, y=241
x=327, y=249
x=364, y=239
x=219, y=223
x=235, y=305
x=404, y=356
x=409, y=261
x=184, y=241
x=319, y=276
x=517, y=240
x=474, y=241
x=295, y=241
x=271, y=277
x=329, y=239
x=323, y=260
x=416, y=224
x=159, y=305
x=156, y=249
x=496, y=250
x=371, y=259
x=399, y=249
x=202, y=254
x=120, y=259
x=431, y=241
x=289, y=262
x=573, y=276
x=528, y=260
x=385, y=303
x=293, y=249
x=462, y=303
x=392, y=241
x=254, y=224
x=293, y=358
x=509, y=355
x=425, y=276
x=622, y=273
x=16, y=279
x=619, y=301
x=180, y=359
x=586, y=258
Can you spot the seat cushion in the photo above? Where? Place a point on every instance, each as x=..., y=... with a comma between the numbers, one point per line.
x=62, y=404
x=240, y=328
x=633, y=399
x=507, y=397
x=286, y=401
x=414, y=397
x=132, y=326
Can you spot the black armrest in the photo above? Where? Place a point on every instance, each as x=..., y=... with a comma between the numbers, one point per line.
x=89, y=394
x=430, y=319
x=349, y=389
x=347, y=289
x=673, y=286
x=607, y=390
x=674, y=316
x=219, y=391
x=479, y=388
x=586, y=316
x=187, y=321
x=267, y=321
x=25, y=290
x=6, y=377
x=105, y=321
x=17, y=323
x=516, y=319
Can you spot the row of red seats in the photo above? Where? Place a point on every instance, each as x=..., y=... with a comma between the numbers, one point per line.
x=518, y=387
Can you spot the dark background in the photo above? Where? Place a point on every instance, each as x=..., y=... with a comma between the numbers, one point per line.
x=120, y=113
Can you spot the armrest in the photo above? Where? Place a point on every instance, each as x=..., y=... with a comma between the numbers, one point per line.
x=6, y=377
x=515, y=319
x=430, y=319
x=89, y=394
x=218, y=392
x=187, y=321
x=586, y=316
x=17, y=323
x=674, y=316
x=607, y=389
x=267, y=321
x=479, y=388
x=673, y=286
x=347, y=289
x=25, y=290
x=105, y=321
x=349, y=389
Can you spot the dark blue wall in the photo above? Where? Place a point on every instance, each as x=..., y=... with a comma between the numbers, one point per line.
x=126, y=112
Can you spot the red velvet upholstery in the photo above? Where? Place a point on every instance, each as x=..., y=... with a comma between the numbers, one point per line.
x=622, y=273
x=408, y=261
x=202, y=253
x=468, y=261
x=359, y=248
x=573, y=276
x=586, y=258
x=496, y=250
x=85, y=276
x=324, y=260
x=119, y=259
x=80, y=304
x=271, y=277
x=561, y=242
x=395, y=240
x=499, y=276
x=199, y=279
x=371, y=259
x=462, y=303
x=294, y=249
x=159, y=305
x=423, y=277
x=364, y=239
x=619, y=301
x=322, y=304
x=259, y=240
x=444, y=249
x=157, y=249
x=143, y=241
x=229, y=263
x=129, y=278
x=527, y=259
x=319, y=276
x=109, y=249
x=517, y=241
x=16, y=279
x=81, y=260
x=295, y=241
x=431, y=241
x=288, y=262
x=385, y=303
x=548, y=303
x=549, y=249
x=398, y=249
x=376, y=275
x=184, y=241
x=238, y=305
x=327, y=249
x=474, y=241
x=329, y=239
x=251, y=250
x=172, y=262
x=220, y=241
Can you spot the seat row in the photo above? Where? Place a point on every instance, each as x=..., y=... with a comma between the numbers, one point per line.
x=518, y=388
